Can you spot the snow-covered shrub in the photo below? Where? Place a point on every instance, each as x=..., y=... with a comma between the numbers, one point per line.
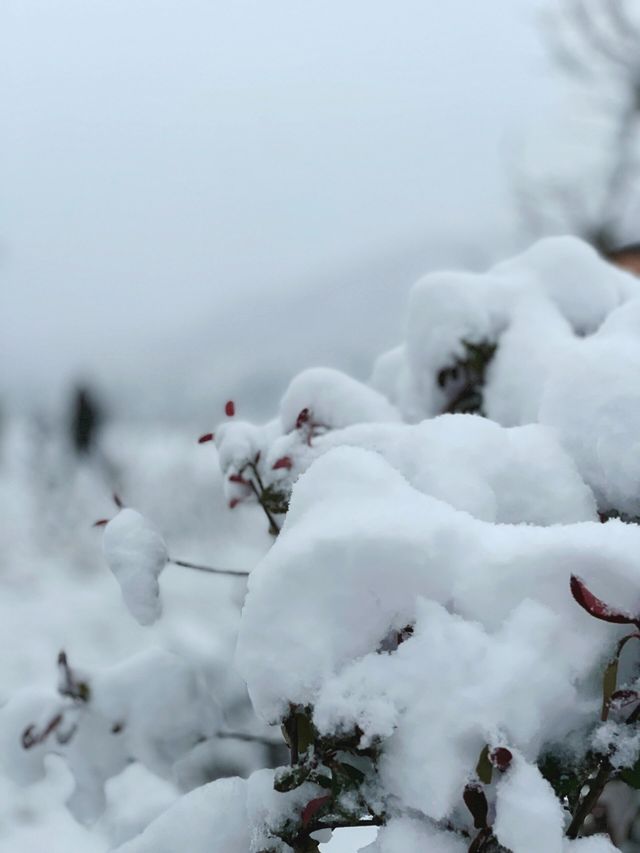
x=443, y=630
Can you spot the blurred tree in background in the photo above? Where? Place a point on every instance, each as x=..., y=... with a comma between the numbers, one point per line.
x=596, y=44
x=86, y=419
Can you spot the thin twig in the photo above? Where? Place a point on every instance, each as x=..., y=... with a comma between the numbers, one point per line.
x=258, y=490
x=587, y=804
x=249, y=738
x=346, y=823
x=214, y=571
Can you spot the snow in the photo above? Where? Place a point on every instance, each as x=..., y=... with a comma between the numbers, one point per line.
x=136, y=554
x=58, y=593
x=496, y=474
x=227, y=816
x=334, y=400
x=414, y=836
x=210, y=819
x=594, y=403
x=416, y=601
x=31, y=704
x=565, y=323
x=351, y=518
x=594, y=844
x=529, y=817
x=620, y=742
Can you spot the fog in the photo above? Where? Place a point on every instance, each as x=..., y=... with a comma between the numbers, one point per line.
x=190, y=186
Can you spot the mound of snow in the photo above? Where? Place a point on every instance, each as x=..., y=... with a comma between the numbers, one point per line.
x=136, y=554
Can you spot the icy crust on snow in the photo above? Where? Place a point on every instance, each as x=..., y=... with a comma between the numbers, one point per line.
x=567, y=329
x=153, y=709
x=512, y=475
x=226, y=816
x=500, y=653
x=136, y=554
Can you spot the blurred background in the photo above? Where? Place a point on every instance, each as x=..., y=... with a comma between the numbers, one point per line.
x=188, y=184
x=199, y=199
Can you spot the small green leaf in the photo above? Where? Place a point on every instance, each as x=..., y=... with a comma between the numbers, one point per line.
x=484, y=768
x=290, y=778
x=306, y=732
x=565, y=776
x=321, y=779
x=631, y=776
x=352, y=773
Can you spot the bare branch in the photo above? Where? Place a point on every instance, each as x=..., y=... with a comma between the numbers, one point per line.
x=594, y=36
x=198, y=567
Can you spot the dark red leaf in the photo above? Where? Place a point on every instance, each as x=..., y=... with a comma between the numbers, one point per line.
x=30, y=737
x=100, y=522
x=238, y=478
x=283, y=462
x=233, y=503
x=208, y=436
x=501, y=758
x=476, y=801
x=230, y=408
x=312, y=808
x=624, y=697
x=303, y=418
x=595, y=607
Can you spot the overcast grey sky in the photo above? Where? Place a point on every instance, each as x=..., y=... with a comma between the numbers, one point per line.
x=171, y=167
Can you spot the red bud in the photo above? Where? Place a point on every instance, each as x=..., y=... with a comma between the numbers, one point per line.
x=283, y=462
x=233, y=503
x=230, y=408
x=208, y=436
x=621, y=698
x=302, y=418
x=101, y=522
x=501, y=758
x=237, y=478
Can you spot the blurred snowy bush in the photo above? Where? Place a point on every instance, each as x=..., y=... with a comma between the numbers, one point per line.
x=443, y=613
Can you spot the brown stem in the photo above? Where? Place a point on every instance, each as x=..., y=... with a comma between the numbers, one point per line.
x=274, y=527
x=452, y=405
x=246, y=736
x=200, y=568
x=346, y=823
x=587, y=804
x=293, y=737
